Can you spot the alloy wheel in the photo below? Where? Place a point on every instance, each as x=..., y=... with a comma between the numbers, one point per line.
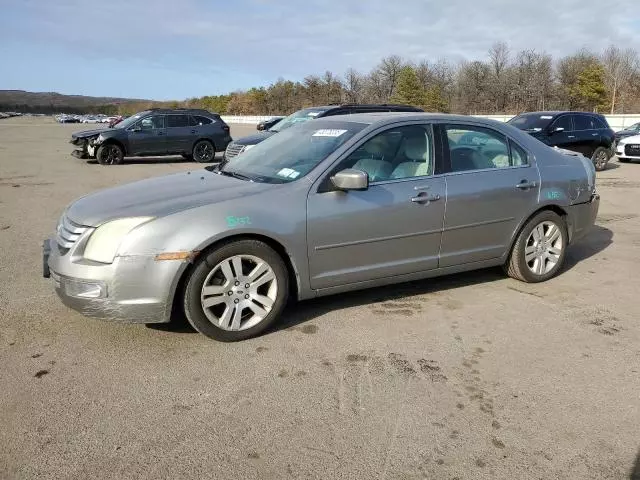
x=204, y=152
x=239, y=292
x=543, y=248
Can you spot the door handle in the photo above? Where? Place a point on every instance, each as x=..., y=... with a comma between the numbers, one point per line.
x=425, y=199
x=160, y=133
x=525, y=185
x=571, y=136
x=193, y=131
x=594, y=134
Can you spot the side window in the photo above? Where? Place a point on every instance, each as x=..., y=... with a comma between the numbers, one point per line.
x=200, y=120
x=401, y=152
x=476, y=148
x=518, y=156
x=563, y=122
x=582, y=122
x=154, y=122
x=598, y=123
x=177, y=121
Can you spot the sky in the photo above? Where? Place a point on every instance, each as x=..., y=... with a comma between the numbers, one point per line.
x=176, y=49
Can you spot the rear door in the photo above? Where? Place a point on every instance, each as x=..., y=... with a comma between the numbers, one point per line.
x=148, y=136
x=179, y=133
x=587, y=135
x=492, y=185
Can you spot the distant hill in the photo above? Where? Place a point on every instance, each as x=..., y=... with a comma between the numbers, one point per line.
x=52, y=102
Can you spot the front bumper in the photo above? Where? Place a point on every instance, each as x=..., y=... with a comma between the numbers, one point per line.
x=133, y=289
x=84, y=150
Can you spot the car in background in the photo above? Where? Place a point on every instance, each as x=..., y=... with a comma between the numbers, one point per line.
x=246, y=143
x=193, y=133
x=113, y=121
x=90, y=119
x=267, y=124
x=628, y=149
x=582, y=132
x=333, y=205
x=629, y=131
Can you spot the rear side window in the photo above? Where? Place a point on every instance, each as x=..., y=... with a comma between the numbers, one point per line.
x=599, y=122
x=200, y=120
x=563, y=122
x=583, y=122
x=479, y=148
x=177, y=121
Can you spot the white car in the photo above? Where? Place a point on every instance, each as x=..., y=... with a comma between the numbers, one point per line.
x=628, y=149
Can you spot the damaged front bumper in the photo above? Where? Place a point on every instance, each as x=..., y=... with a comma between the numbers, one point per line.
x=132, y=289
x=85, y=147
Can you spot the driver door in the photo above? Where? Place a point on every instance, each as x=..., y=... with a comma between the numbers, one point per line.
x=148, y=136
x=393, y=227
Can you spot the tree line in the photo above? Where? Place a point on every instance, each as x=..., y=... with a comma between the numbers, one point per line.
x=505, y=82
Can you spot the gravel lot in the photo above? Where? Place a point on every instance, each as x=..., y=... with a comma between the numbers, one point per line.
x=470, y=376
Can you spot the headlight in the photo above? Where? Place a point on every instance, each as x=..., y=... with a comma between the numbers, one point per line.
x=105, y=241
x=98, y=140
x=248, y=147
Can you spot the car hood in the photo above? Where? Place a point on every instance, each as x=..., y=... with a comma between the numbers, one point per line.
x=630, y=139
x=88, y=133
x=160, y=196
x=254, y=139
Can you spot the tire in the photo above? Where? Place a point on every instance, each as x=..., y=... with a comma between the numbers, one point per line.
x=203, y=151
x=223, y=320
x=525, y=245
x=109, y=154
x=600, y=158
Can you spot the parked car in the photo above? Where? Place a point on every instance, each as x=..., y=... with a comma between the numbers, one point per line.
x=628, y=148
x=629, y=131
x=245, y=143
x=194, y=134
x=337, y=204
x=267, y=124
x=113, y=121
x=585, y=133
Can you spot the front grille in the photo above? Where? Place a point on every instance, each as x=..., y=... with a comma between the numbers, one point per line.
x=68, y=232
x=233, y=150
x=633, y=149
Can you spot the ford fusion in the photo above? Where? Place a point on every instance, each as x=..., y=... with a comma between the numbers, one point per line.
x=329, y=206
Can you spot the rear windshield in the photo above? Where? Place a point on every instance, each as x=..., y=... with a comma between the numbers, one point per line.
x=298, y=117
x=531, y=122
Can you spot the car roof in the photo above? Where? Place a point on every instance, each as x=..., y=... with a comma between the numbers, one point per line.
x=390, y=117
x=180, y=110
x=556, y=113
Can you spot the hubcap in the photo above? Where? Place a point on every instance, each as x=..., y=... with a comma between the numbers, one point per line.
x=204, y=151
x=239, y=292
x=601, y=159
x=543, y=248
x=110, y=155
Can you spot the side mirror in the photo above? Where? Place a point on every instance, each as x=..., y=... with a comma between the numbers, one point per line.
x=351, y=179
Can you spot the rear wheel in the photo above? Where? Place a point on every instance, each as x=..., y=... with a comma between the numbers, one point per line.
x=236, y=291
x=203, y=151
x=600, y=158
x=540, y=249
x=110, y=154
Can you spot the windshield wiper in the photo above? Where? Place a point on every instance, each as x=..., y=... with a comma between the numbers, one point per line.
x=231, y=173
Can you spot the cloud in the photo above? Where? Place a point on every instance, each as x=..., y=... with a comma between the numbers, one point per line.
x=258, y=39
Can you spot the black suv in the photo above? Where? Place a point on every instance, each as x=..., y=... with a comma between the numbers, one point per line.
x=194, y=134
x=585, y=133
x=244, y=143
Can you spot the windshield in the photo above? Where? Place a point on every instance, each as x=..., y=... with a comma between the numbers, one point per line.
x=531, y=122
x=127, y=122
x=292, y=154
x=295, y=118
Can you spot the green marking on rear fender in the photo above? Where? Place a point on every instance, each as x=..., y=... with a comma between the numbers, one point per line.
x=554, y=195
x=233, y=221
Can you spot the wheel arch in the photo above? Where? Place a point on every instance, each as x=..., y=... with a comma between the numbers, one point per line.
x=114, y=141
x=552, y=207
x=292, y=271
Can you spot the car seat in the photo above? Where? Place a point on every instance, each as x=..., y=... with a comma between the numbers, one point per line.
x=415, y=148
x=376, y=167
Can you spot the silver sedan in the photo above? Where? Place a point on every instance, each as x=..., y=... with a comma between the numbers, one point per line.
x=329, y=206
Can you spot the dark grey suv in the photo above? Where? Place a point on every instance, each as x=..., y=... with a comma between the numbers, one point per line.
x=194, y=134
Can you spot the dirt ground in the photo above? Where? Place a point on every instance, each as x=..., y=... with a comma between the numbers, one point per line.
x=469, y=376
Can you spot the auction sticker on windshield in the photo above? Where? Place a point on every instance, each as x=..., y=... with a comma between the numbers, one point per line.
x=288, y=173
x=328, y=133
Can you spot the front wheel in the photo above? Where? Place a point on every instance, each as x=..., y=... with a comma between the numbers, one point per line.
x=236, y=291
x=203, y=151
x=540, y=249
x=110, y=154
x=600, y=158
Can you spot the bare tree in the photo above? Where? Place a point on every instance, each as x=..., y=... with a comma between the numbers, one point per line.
x=353, y=86
x=389, y=69
x=499, y=62
x=619, y=66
